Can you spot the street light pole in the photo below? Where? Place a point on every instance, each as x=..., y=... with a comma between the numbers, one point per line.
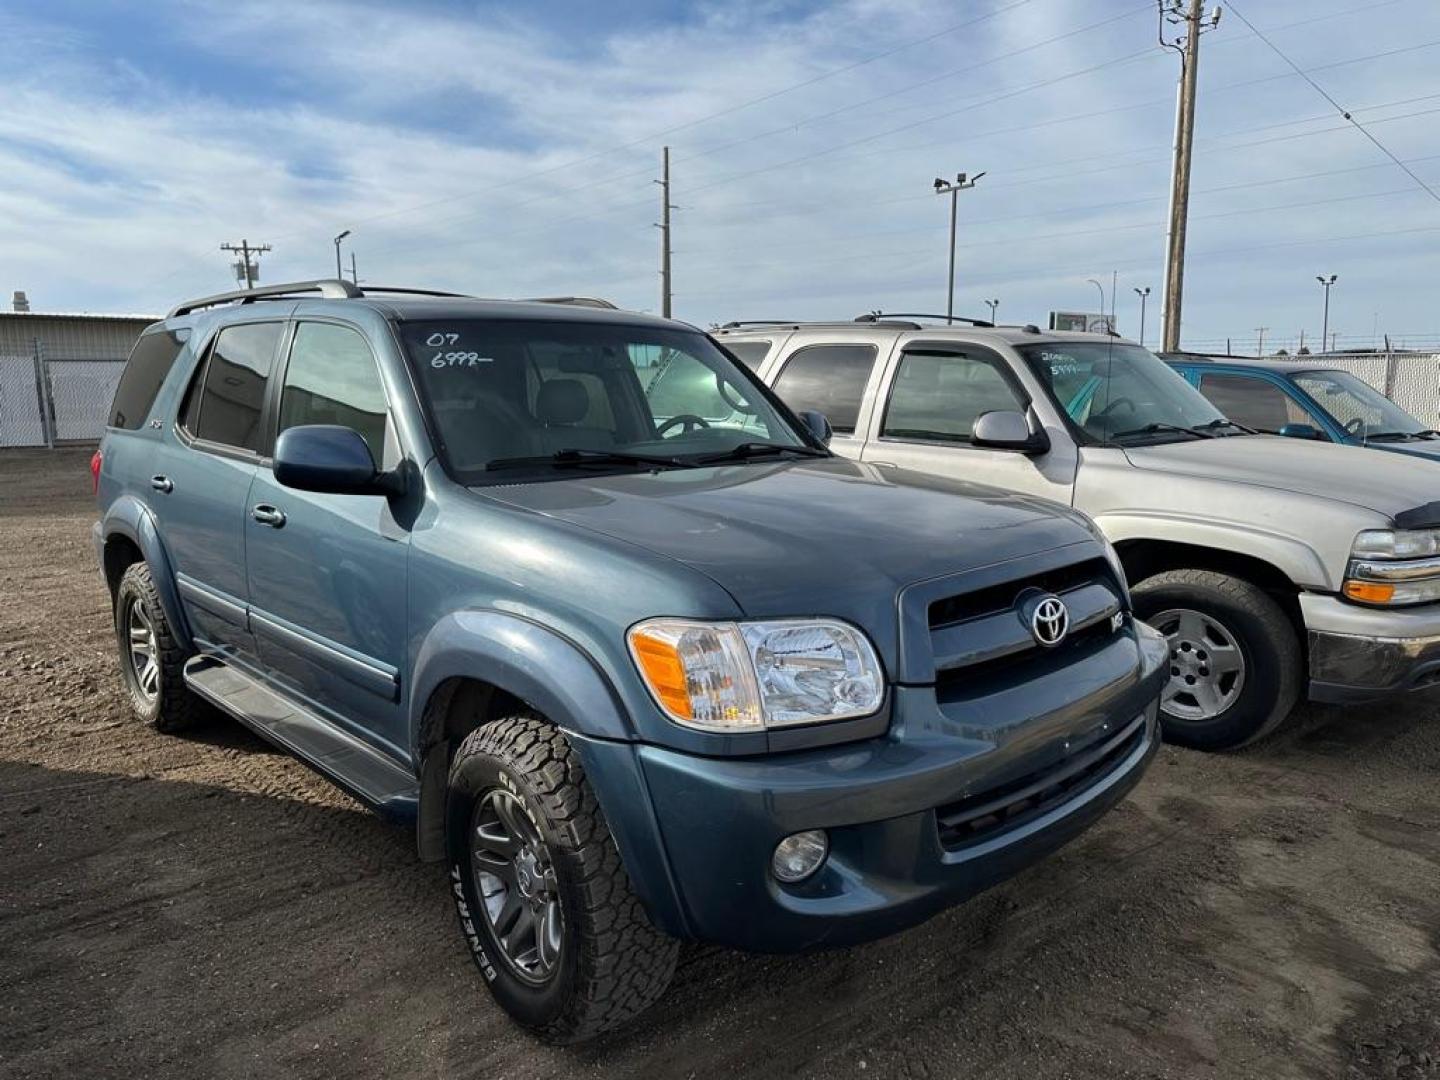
x=1325, y=325
x=994, y=306
x=1101, y=290
x=1144, y=295
x=945, y=187
x=339, y=273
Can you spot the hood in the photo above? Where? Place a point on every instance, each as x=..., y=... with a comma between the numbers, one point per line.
x=1430, y=448
x=825, y=536
x=1385, y=483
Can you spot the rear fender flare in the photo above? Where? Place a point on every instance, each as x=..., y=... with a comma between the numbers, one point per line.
x=132, y=519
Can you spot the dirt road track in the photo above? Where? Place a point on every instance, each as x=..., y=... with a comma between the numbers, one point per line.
x=204, y=906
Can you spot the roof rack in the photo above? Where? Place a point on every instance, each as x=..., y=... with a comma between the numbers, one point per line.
x=329, y=288
x=884, y=316
x=736, y=324
x=577, y=301
x=340, y=289
x=796, y=324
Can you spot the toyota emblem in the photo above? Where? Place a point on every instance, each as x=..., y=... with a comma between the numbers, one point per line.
x=1050, y=621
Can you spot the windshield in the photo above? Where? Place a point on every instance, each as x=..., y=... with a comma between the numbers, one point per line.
x=597, y=394
x=1120, y=393
x=1356, y=405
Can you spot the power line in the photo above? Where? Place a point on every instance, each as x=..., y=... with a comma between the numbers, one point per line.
x=1337, y=106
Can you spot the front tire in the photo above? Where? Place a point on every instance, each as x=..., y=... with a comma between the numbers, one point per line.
x=1235, y=659
x=543, y=898
x=152, y=662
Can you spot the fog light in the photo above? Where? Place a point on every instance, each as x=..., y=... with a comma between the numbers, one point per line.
x=799, y=855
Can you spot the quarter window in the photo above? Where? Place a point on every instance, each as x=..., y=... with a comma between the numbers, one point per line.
x=233, y=397
x=750, y=353
x=332, y=379
x=830, y=379
x=939, y=396
x=1256, y=403
x=150, y=361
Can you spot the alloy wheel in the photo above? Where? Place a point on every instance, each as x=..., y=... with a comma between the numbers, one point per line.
x=142, y=654
x=1207, y=668
x=515, y=879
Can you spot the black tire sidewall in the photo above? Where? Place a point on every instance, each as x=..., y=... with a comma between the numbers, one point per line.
x=127, y=595
x=533, y=1006
x=1264, y=661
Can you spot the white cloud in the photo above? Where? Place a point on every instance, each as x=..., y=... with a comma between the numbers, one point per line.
x=475, y=152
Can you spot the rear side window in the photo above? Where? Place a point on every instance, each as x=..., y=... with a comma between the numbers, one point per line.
x=750, y=353
x=150, y=361
x=332, y=379
x=830, y=379
x=1256, y=403
x=233, y=396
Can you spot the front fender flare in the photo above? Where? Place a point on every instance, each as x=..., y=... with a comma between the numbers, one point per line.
x=1299, y=562
x=539, y=666
x=127, y=516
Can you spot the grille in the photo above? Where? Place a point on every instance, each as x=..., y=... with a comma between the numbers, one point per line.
x=973, y=820
x=997, y=598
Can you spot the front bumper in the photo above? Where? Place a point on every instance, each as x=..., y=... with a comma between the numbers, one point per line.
x=1359, y=654
x=892, y=864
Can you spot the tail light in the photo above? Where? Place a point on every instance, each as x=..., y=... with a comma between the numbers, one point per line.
x=95, y=460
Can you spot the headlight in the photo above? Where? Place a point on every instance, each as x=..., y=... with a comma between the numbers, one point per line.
x=1397, y=544
x=1392, y=567
x=748, y=676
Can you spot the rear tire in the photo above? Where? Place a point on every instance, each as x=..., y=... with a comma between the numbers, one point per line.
x=1235, y=659
x=523, y=830
x=152, y=662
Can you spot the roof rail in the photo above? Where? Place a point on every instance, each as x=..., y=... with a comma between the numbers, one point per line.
x=330, y=288
x=368, y=289
x=882, y=316
x=577, y=301
x=736, y=324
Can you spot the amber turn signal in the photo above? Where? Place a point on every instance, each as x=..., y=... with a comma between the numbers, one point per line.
x=1369, y=592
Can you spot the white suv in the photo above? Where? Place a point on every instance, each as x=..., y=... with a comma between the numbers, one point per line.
x=1275, y=568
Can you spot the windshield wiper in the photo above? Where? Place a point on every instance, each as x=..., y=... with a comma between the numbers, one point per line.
x=571, y=458
x=747, y=450
x=1397, y=436
x=1221, y=422
x=1157, y=428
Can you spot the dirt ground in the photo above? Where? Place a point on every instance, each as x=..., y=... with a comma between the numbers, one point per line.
x=205, y=906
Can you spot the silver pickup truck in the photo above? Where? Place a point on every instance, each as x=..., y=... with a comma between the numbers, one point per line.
x=1275, y=568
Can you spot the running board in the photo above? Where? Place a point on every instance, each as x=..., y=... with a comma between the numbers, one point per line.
x=359, y=768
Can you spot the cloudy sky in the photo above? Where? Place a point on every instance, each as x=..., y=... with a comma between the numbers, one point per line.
x=509, y=150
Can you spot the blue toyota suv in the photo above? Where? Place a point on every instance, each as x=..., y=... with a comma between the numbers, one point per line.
x=637, y=672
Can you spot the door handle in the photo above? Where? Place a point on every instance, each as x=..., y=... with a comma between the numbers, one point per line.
x=162, y=483
x=266, y=514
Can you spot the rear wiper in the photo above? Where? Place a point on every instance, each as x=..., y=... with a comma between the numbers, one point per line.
x=748, y=450
x=571, y=458
x=1221, y=423
x=1157, y=428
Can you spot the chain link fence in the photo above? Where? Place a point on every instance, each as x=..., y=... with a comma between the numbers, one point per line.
x=51, y=400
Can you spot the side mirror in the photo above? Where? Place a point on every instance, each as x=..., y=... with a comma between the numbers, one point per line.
x=819, y=426
x=1005, y=429
x=1301, y=431
x=332, y=459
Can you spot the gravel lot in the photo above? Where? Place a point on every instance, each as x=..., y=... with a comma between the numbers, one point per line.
x=205, y=906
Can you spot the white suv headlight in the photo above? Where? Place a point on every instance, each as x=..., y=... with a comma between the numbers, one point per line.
x=1397, y=544
x=727, y=676
x=1394, y=567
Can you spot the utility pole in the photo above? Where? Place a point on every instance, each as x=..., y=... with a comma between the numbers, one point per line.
x=666, y=293
x=1301, y=350
x=1260, y=345
x=246, y=270
x=945, y=187
x=1191, y=14
x=1144, y=295
x=354, y=274
x=1325, y=325
x=994, y=306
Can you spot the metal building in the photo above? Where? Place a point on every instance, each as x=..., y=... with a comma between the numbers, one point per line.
x=58, y=372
